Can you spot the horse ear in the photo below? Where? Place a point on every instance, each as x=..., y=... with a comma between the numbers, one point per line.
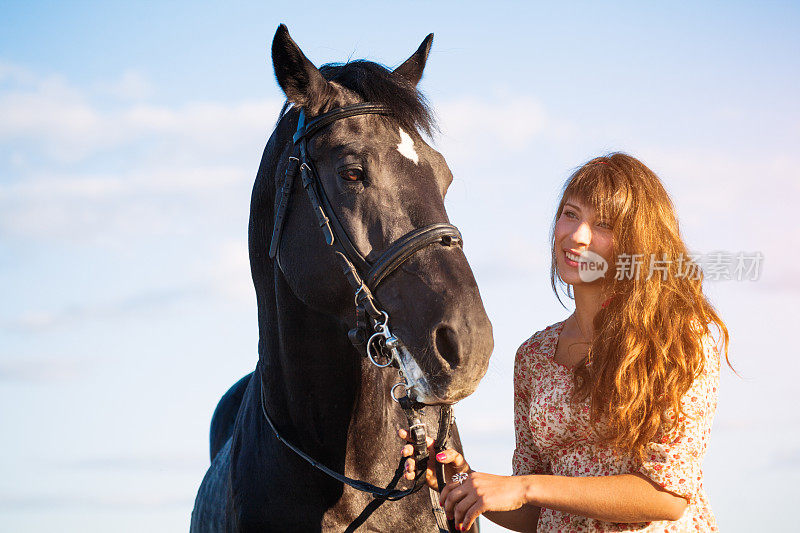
x=412, y=68
x=300, y=80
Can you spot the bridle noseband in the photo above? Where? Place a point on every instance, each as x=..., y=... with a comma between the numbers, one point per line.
x=371, y=336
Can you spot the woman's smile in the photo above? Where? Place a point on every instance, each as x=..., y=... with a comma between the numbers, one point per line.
x=572, y=259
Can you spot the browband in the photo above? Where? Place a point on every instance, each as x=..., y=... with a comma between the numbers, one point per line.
x=307, y=130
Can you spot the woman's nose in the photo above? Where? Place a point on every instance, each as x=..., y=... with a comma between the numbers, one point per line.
x=582, y=234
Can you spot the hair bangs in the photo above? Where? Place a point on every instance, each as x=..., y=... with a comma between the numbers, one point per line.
x=597, y=185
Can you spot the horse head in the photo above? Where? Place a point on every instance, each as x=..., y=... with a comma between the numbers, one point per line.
x=382, y=180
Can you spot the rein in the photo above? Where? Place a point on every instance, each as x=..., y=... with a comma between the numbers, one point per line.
x=388, y=493
x=371, y=336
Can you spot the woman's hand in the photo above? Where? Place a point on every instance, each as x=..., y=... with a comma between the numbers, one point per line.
x=454, y=462
x=482, y=492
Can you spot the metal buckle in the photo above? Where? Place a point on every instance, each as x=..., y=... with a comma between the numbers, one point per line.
x=362, y=287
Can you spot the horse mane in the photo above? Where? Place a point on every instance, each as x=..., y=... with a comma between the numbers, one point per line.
x=375, y=83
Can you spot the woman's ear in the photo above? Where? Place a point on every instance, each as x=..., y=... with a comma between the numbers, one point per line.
x=300, y=80
x=412, y=68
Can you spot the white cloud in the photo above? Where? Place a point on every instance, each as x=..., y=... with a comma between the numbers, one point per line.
x=169, y=167
x=68, y=124
x=146, y=201
x=132, y=85
x=477, y=128
x=145, y=301
x=56, y=117
x=37, y=369
x=159, y=180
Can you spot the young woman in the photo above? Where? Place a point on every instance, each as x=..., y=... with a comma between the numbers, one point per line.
x=612, y=406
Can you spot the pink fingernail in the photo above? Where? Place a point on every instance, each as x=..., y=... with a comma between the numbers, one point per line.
x=441, y=456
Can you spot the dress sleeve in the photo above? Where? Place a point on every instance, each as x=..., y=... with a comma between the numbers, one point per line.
x=674, y=462
x=527, y=458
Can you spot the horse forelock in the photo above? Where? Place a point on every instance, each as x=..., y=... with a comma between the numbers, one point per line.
x=375, y=83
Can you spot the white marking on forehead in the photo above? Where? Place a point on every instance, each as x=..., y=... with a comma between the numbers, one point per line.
x=406, y=147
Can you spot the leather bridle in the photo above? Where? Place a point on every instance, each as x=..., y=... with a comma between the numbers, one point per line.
x=362, y=275
x=371, y=336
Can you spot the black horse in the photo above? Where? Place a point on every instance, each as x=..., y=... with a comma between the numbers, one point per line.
x=382, y=181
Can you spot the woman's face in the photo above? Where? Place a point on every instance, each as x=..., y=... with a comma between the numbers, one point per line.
x=583, y=243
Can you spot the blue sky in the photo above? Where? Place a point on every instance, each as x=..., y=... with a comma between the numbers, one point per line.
x=129, y=140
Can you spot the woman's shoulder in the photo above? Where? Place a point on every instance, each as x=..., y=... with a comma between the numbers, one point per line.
x=540, y=339
x=534, y=351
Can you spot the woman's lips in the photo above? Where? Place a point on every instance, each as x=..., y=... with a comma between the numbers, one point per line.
x=569, y=261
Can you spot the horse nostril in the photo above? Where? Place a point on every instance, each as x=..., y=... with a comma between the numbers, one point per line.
x=447, y=345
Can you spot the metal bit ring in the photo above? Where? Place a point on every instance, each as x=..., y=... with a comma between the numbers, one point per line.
x=394, y=397
x=375, y=338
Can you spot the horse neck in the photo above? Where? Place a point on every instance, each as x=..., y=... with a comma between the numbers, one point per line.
x=315, y=382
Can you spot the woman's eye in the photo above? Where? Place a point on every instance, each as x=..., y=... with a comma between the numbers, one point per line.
x=605, y=225
x=569, y=214
x=351, y=174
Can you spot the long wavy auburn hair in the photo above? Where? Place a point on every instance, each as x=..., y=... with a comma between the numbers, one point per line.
x=648, y=345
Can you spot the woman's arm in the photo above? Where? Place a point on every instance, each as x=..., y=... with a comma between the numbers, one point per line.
x=516, y=500
x=618, y=498
x=523, y=519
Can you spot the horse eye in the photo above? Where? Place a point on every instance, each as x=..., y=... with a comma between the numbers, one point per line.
x=351, y=174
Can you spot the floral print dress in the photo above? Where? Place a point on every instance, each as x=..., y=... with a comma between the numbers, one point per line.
x=553, y=437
